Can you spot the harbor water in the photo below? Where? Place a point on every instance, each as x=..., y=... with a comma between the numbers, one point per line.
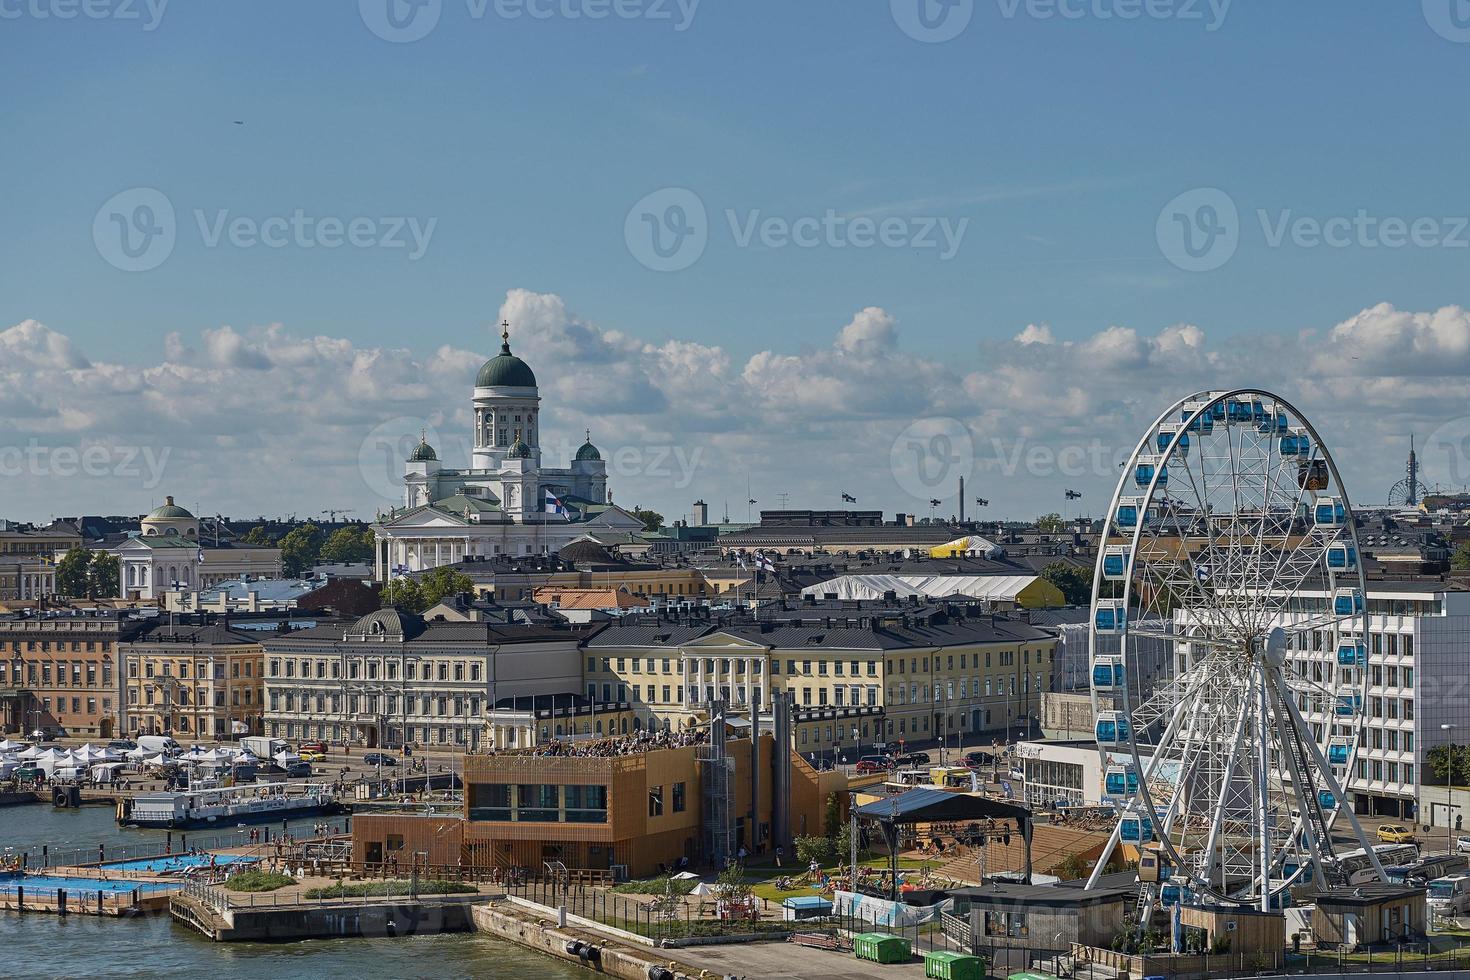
x=37, y=945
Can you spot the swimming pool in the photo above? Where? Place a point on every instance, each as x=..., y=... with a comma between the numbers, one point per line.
x=80, y=886
x=175, y=862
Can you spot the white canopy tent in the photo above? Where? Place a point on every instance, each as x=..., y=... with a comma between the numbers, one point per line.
x=991, y=588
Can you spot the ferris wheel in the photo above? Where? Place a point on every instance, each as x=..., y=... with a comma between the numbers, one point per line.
x=1230, y=545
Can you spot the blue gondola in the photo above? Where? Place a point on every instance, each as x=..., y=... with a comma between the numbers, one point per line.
x=1238, y=410
x=1166, y=436
x=1169, y=894
x=1325, y=800
x=1127, y=516
x=1352, y=655
x=1110, y=617
x=1342, y=557
x=1217, y=412
x=1120, y=781
x=1347, y=602
x=1112, y=728
x=1204, y=424
x=1143, y=474
x=1115, y=563
x=1273, y=422
x=1348, y=705
x=1136, y=829
x=1338, y=753
x=1107, y=674
x=1296, y=444
x=1329, y=512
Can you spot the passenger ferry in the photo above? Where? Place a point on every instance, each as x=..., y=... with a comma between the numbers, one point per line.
x=232, y=805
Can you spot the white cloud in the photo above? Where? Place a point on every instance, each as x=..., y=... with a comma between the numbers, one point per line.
x=263, y=420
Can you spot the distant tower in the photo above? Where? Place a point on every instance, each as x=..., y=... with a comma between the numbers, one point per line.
x=701, y=513
x=1408, y=492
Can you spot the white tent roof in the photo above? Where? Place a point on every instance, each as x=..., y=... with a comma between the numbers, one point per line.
x=138, y=754
x=6, y=745
x=34, y=752
x=158, y=760
x=996, y=588
x=971, y=544
x=286, y=758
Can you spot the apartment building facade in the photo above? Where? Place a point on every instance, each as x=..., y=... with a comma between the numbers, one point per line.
x=60, y=671
x=204, y=682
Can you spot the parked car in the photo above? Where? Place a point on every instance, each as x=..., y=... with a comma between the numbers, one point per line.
x=1462, y=844
x=379, y=759
x=122, y=744
x=868, y=765
x=1393, y=833
x=317, y=747
x=913, y=759
x=312, y=755
x=298, y=770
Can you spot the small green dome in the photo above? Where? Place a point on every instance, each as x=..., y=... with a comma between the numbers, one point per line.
x=505, y=369
x=168, y=511
x=518, y=449
x=588, y=451
x=423, y=452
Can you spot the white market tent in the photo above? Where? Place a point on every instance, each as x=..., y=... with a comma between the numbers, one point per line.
x=992, y=588
x=6, y=745
x=969, y=546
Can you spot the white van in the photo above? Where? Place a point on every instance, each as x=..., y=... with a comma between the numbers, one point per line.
x=158, y=743
x=1449, y=895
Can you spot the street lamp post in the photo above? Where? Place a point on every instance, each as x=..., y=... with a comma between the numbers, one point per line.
x=1450, y=793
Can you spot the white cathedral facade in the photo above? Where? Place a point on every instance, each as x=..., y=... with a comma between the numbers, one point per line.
x=506, y=502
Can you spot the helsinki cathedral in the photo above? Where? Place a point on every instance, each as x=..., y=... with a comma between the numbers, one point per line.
x=506, y=502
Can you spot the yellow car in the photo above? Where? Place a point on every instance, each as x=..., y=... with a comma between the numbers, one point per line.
x=310, y=756
x=1392, y=833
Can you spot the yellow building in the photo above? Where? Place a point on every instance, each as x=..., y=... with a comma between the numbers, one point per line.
x=858, y=673
x=205, y=683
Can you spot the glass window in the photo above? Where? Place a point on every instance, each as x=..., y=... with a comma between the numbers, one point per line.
x=489, y=801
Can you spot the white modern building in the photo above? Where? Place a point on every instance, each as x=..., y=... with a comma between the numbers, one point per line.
x=170, y=554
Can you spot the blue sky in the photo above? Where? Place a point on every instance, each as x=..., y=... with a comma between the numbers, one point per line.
x=1056, y=141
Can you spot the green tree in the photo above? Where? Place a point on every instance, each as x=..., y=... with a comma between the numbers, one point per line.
x=1074, y=583
x=405, y=595
x=832, y=820
x=300, y=549
x=104, y=575
x=1071, y=867
x=443, y=581
x=73, y=573
x=1439, y=763
x=348, y=544
x=731, y=883
x=1050, y=523
x=1461, y=556
x=809, y=849
x=259, y=537
x=652, y=519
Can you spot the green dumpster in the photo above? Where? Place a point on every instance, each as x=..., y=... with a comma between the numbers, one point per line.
x=945, y=965
x=880, y=947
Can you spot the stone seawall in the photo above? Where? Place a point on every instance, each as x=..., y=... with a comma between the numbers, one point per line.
x=381, y=918
x=616, y=959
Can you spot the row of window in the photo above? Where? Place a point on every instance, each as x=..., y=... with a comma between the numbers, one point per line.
x=60, y=646
x=150, y=669
x=434, y=705
x=76, y=705
x=551, y=803
x=80, y=674
x=420, y=734
x=356, y=668
x=181, y=697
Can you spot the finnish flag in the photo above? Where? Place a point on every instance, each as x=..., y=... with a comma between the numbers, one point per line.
x=554, y=504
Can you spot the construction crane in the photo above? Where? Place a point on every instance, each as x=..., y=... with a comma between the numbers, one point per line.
x=331, y=513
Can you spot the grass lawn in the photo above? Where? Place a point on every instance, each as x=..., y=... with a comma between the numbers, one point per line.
x=658, y=886
x=767, y=890
x=377, y=888
x=256, y=880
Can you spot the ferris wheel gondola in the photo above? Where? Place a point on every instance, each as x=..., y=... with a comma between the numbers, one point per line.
x=1230, y=537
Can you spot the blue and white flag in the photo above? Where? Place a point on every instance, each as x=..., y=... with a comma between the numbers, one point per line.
x=200, y=556
x=763, y=563
x=1202, y=572
x=740, y=561
x=554, y=504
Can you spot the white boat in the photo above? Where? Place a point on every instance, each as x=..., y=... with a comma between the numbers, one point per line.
x=230, y=805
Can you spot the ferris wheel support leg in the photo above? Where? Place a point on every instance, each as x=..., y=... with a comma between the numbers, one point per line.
x=1300, y=784
x=1218, y=819
x=1263, y=794
x=1103, y=858
x=1343, y=806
